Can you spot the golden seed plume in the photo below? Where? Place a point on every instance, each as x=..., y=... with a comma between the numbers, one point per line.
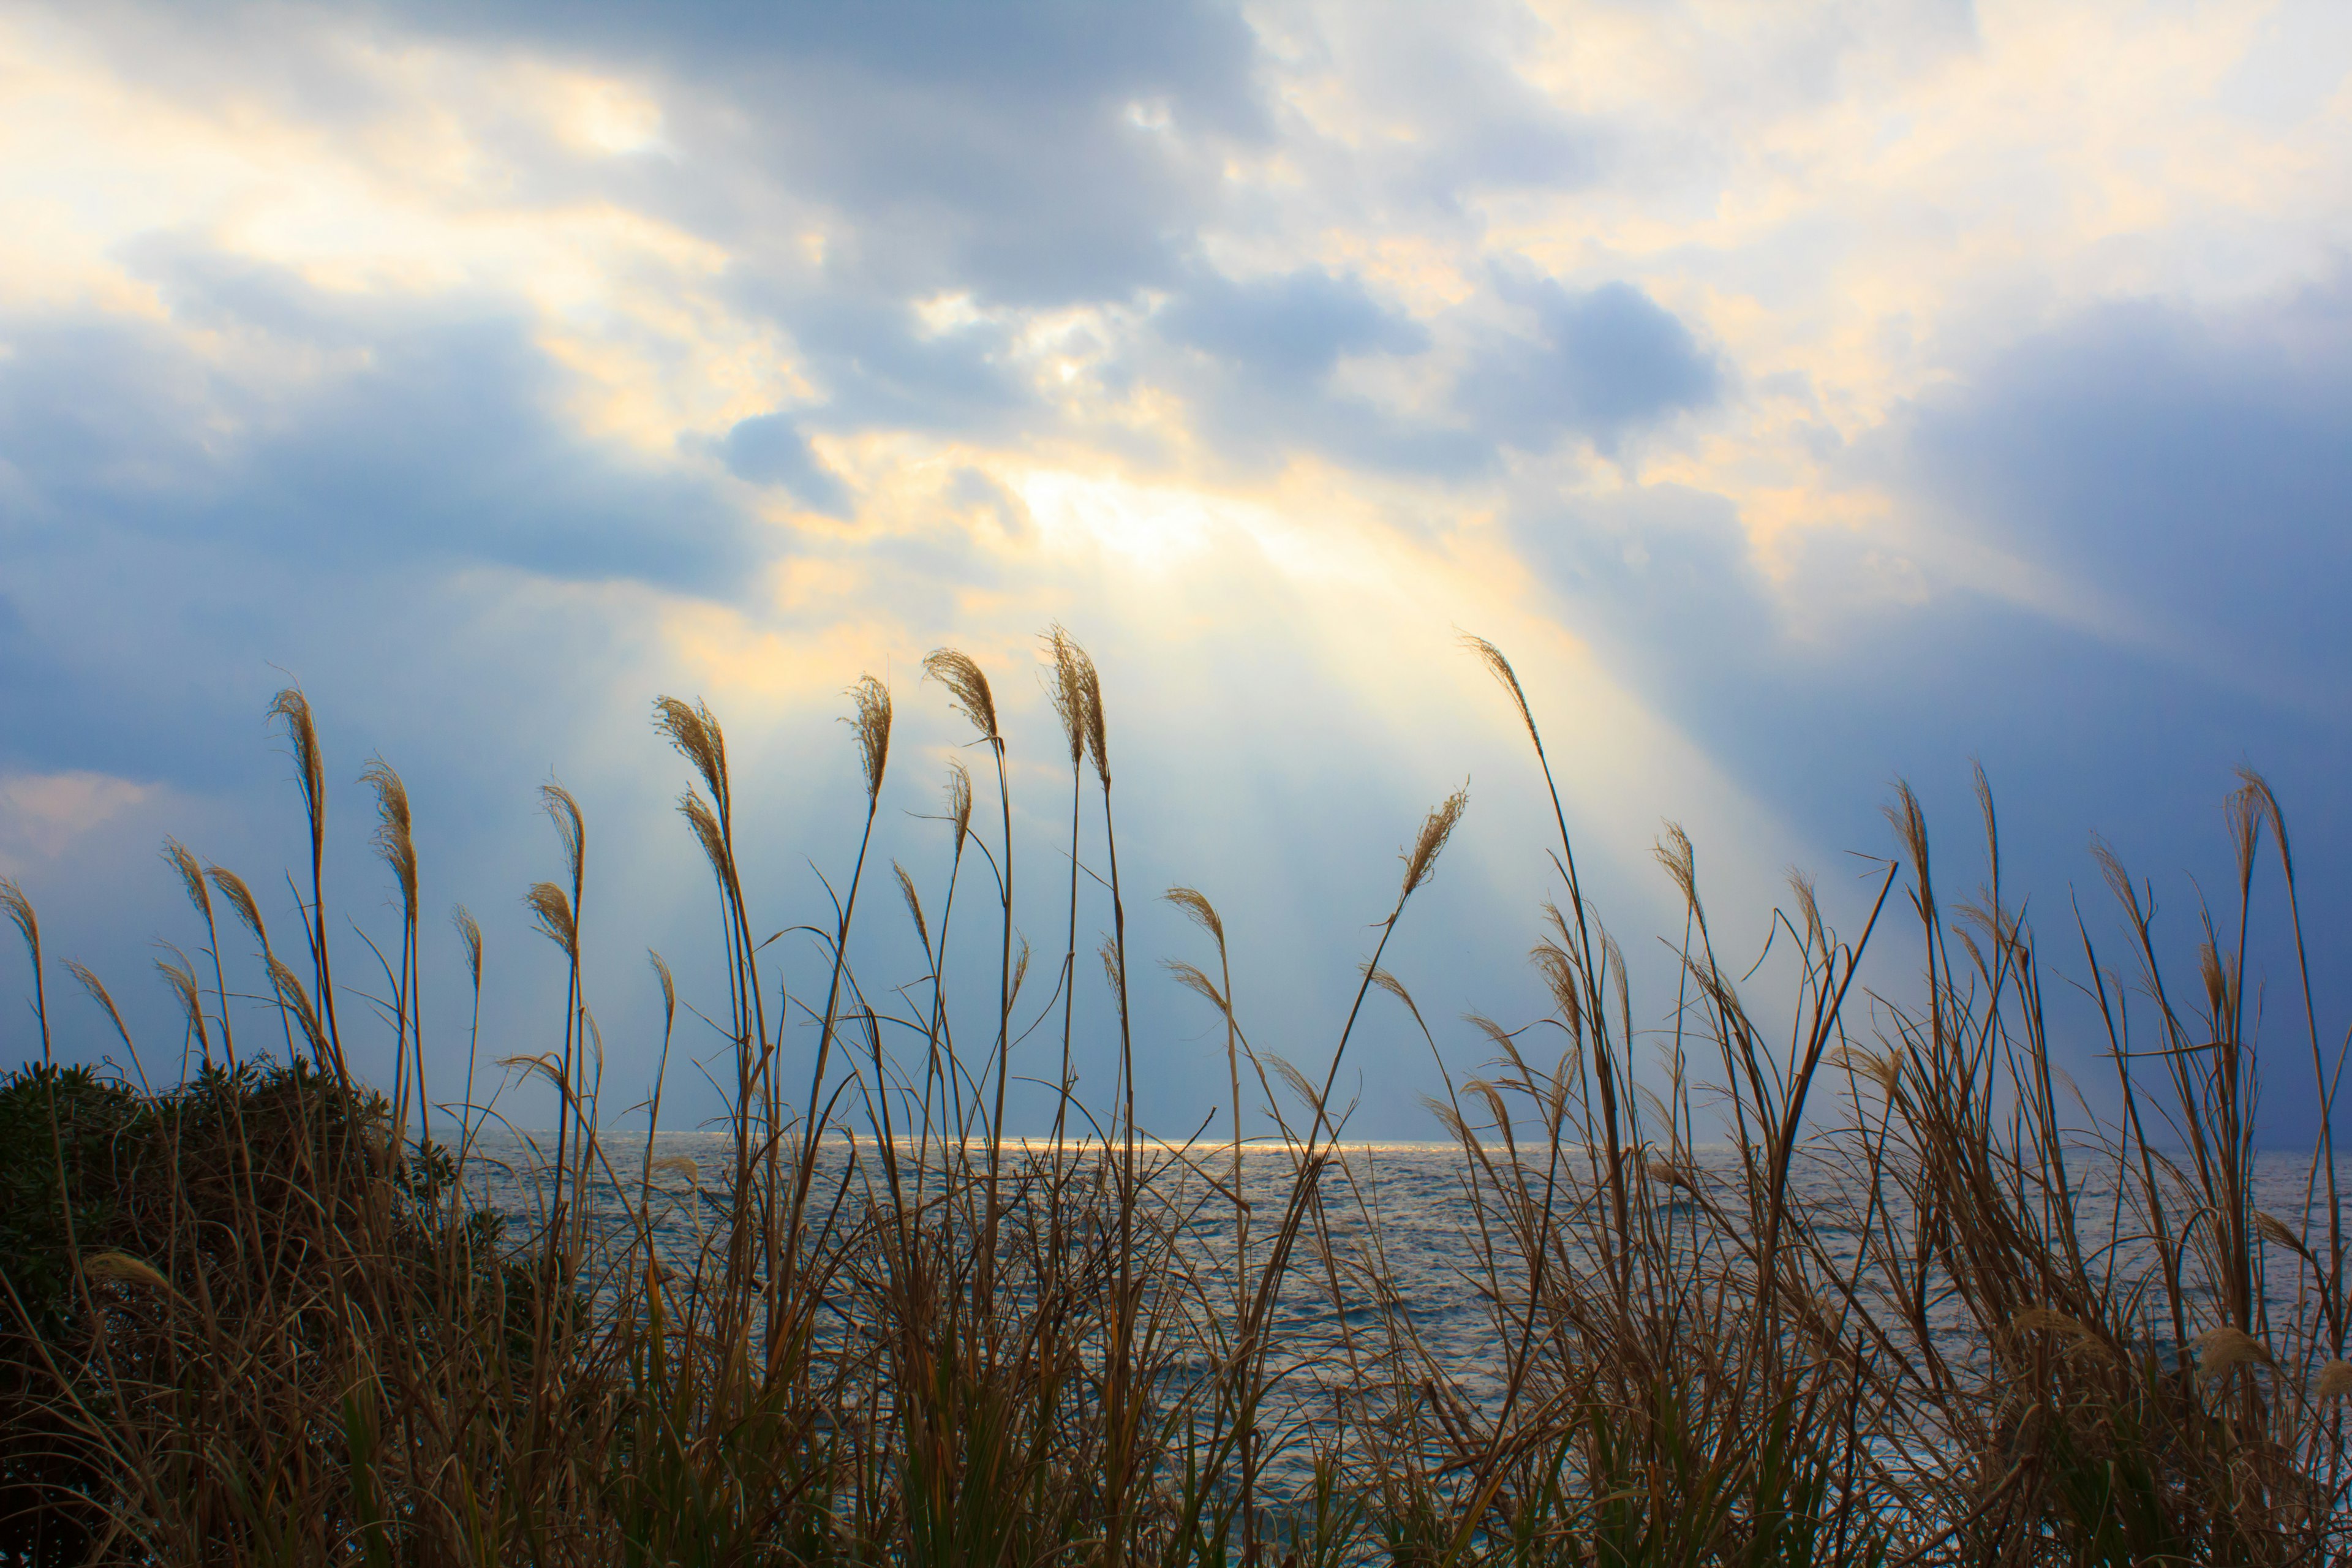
x=469, y=932
x=394, y=839
x=1090, y=682
x=872, y=724
x=98, y=993
x=1809, y=905
x=1067, y=690
x=1500, y=669
x=913, y=904
x=1191, y=979
x=2219, y=1350
x=1884, y=1070
x=552, y=909
x=1559, y=977
x=1667, y=1174
x=1198, y=909
x=1674, y=852
x=20, y=911
x=699, y=739
x=2334, y=1380
x=679, y=1164
x=2261, y=801
x=1910, y=824
x=709, y=834
x=967, y=688
x=181, y=979
x=302, y=732
x=2275, y=1229
x=240, y=900
x=960, y=801
x=296, y=1000
x=123, y=1268
x=1435, y=829
x=570, y=826
x=668, y=988
x=192, y=876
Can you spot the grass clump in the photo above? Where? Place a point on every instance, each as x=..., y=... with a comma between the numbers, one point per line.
x=1866, y=1288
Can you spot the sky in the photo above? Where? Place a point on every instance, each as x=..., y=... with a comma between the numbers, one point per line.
x=1804, y=396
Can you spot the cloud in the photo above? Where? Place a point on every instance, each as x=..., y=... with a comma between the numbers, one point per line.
x=767, y=450
x=1600, y=363
x=2187, y=468
x=1290, y=328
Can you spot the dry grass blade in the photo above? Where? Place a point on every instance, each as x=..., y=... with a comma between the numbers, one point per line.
x=967, y=686
x=2072, y=1332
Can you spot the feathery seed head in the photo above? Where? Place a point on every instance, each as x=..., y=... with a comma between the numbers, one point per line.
x=1067, y=690
x=570, y=826
x=872, y=723
x=709, y=834
x=552, y=911
x=181, y=979
x=1421, y=860
x=699, y=739
x=913, y=904
x=668, y=988
x=959, y=801
x=302, y=732
x=2334, y=1380
x=192, y=876
x=393, y=836
x=1674, y=852
x=678, y=1164
x=20, y=910
x=469, y=931
x=2219, y=1350
x=967, y=688
x=2272, y=1228
x=1500, y=669
x=1198, y=909
x=240, y=900
x=121, y=1269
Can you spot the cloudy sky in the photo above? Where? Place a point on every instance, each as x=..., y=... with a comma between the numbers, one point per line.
x=1804, y=395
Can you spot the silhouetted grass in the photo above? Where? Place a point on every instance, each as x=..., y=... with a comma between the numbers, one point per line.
x=1926, y=1308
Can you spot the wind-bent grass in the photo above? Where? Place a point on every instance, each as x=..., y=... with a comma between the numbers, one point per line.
x=1924, y=1309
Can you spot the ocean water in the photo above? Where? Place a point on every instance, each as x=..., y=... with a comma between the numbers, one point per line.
x=1391, y=1297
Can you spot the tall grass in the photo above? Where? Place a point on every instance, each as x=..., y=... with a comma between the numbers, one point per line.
x=1872, y=1286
